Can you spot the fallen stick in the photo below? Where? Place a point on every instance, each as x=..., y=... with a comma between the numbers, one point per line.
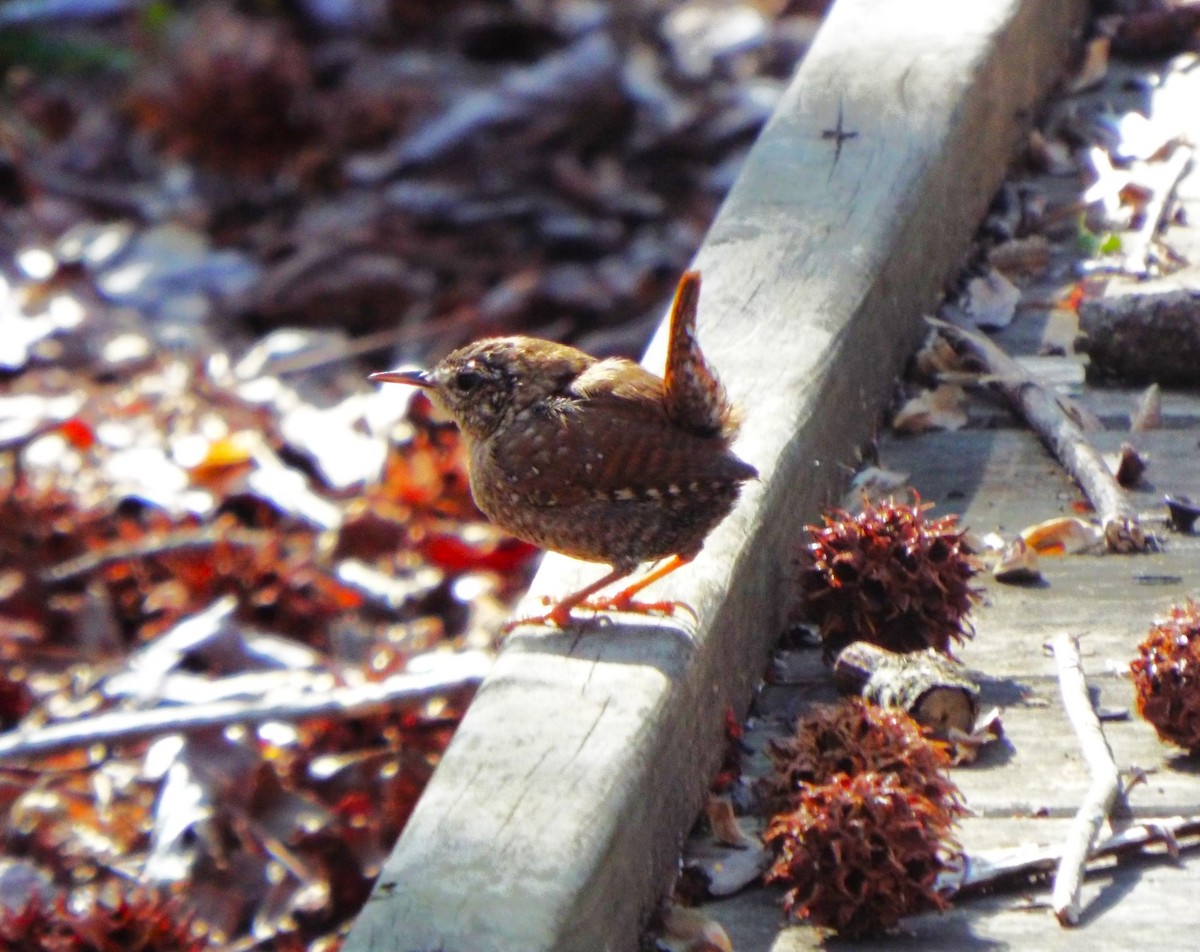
x=463, y=672
x=1062, y=436
x=565, y=81
x=986, y=871
x=1104, y=788
x=1165, y=177
x=935, y=691
x=159, y=544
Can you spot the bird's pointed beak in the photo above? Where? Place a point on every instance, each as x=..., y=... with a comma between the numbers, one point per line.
x=414, y=378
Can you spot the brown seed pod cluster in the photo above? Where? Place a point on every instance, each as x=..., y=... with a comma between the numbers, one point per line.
x=16, y=700
x=860, y=853
x=863, y=817
x=236, y=95
x=888, y=576
x=854, y=737
x=139, y=920
x=1166, y=676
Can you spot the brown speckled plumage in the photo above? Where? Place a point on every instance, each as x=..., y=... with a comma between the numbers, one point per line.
x=597, y=459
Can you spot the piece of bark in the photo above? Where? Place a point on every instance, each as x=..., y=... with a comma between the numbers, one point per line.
x=1148, y=414
x=1101, y=795
x=1143, y=337
x=1131, y=466
x=934, y=690
x=1044, y=412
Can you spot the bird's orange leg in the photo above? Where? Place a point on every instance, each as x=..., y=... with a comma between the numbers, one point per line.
x=560, y=615
x=623, y=600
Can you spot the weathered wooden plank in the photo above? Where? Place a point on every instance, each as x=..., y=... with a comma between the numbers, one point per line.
x=554, y=819
x=1043, y=770
x=1005, y=479
x=983, y=476
x=1109, y=605
x=1155, y=900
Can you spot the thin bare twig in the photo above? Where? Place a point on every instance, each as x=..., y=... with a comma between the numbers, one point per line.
x=986, y=871
x=169, y=543
x=1042, y=410
x=1101, y=794
x=1166, y=175
x=459, y=673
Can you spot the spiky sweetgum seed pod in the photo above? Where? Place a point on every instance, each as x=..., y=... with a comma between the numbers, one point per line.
x=854, y=737
x=888, y=576
x=236, y=94
x=858, y=854
x=123, y=917
x=1166, y=676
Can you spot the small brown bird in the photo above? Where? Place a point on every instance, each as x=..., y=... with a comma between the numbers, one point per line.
x=598, y=459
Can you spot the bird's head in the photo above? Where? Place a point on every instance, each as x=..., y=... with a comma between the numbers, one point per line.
x=484, y=385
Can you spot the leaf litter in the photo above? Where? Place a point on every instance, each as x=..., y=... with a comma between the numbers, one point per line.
x=244, y=600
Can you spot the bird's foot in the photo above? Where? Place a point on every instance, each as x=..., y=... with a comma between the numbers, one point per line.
x=558, y=617
x=626, y=603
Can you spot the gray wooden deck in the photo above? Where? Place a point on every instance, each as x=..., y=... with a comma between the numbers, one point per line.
x=1026, y=791
x=996, y=475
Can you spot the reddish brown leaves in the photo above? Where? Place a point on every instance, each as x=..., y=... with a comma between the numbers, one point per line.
x=890, y=577
x=113, y=593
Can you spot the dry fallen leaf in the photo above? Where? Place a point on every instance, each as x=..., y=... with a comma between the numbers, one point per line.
x=690, y=930
x=1021, y=255
x=964, y=748
x=1018, y=564
x=940, y=409
x=1095, y=65
x=1064, y=535
x=1052, y=155
x=1128, y=467
x=991, y=301
x=937, y=357
x=1148, y=415
x=874, y=482
x=724, y=822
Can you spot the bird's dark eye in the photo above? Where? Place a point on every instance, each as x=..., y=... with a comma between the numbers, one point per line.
x=467, y=380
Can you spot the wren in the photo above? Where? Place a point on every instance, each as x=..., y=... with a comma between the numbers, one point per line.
x=597, y=459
